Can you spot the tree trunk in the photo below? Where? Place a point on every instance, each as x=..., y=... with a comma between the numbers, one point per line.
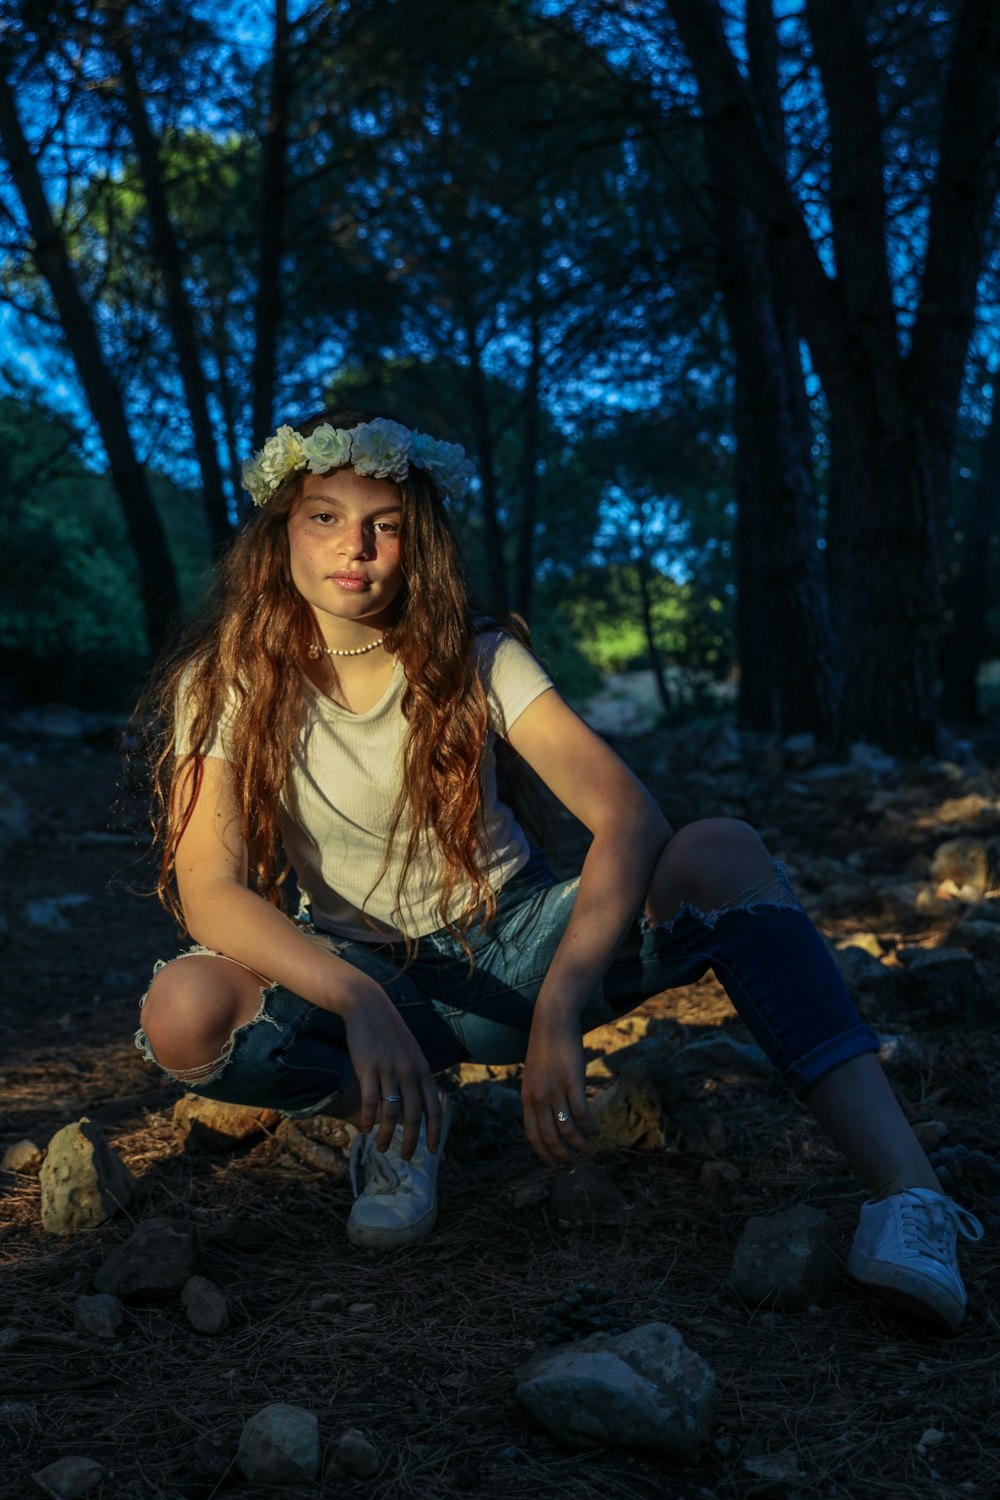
x=886, y=499
x=964, y=651
x=646, y=604
x=527, y=521
x=758, y=702
x=274, y=151
x=166, y=253
x=892, y=421
x=157, y=576
x=781, y=578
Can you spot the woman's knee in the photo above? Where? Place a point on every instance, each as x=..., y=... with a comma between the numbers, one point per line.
x=709, y=863
x=192, y=1008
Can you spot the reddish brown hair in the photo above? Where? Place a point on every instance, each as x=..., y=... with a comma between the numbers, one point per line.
x=258, y=628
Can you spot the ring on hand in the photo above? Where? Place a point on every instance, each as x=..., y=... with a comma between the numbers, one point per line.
x=562, y=1116
x=392, y=1098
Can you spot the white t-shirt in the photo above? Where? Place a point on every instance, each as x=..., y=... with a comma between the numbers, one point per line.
x=343, y=782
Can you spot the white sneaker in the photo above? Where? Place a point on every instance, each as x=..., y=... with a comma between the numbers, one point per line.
x=399, y=1203
x=904, y=1251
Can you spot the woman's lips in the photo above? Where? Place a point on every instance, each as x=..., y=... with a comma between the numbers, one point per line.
x=349, y=581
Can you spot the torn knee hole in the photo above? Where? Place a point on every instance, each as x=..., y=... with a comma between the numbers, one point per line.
x=771, y=891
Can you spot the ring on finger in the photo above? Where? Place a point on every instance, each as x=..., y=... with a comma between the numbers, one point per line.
x=562, y=1117
x=392, y=1098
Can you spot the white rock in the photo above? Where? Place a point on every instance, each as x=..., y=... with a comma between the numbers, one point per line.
x=642, y=1389
x=84, y=1180
x=279, y=1445
x=69, y=1478
x=23, y=1156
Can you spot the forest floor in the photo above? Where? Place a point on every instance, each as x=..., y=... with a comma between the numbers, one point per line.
x=832, y=1402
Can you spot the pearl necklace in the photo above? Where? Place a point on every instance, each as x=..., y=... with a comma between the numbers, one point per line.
x=314, y=652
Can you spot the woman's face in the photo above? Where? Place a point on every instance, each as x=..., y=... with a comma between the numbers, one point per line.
x=343, y=537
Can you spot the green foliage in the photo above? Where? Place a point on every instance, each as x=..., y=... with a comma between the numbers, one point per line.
x=601, y=607
x=71, y=625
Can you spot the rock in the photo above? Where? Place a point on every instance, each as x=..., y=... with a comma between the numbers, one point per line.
x=798, y=751
x=587, y=1195
x=47, y=912
x=782, y=1468
x=871, y=758
x=788, y=1260
x=496, y=1097
x=987, y=910
x=207, y=1308
x=23, y=1156
x=717, y=1179
x=249, y=1236
x=966, y=861
x=69, y=1477
x=971, y=809
x=945, y=983
x=898, y=1052
x=279, y=1445
x=930, y=1133
x=99, y=1316
x=319, y=1141
x=648, y=1075
x=84, y=1180
x=354, y=1455
x=723, y=750
x=15, y=824
x=873, y=985
x=722, y=1053
x=529, y=1194
x=866, y=941
x=156, y=1261
x=980, y=937
x=641, y=1389
x=220, y=1127
x=327, y=1302
x=626, y=1115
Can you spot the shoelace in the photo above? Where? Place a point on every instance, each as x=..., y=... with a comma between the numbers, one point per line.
x=932, y=1227
x=380, y=1174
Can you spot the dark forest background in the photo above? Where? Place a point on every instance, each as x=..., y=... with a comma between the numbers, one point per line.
x=709, y=293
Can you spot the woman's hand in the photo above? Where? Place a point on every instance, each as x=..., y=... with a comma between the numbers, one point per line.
x=553, y=1083
x=387, y=1059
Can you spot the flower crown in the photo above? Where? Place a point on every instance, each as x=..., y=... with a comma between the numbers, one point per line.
x=381, y=449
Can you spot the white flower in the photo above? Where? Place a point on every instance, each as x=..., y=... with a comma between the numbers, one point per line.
x=326, y=448
x=282, y=455
x=256, y=482
x=381, y=449
x=446, y=463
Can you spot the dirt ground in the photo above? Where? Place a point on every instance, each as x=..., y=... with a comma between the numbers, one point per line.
x=833, y=1402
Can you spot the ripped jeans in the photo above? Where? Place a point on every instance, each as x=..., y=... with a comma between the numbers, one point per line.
x=776, y=969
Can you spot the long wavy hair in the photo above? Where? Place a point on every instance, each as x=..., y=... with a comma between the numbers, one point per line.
x=235, y=662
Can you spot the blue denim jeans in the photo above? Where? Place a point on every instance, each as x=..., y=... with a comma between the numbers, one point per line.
x=292, y=1056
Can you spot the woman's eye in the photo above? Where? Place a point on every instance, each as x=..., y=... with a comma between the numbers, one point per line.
x=388, y=528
